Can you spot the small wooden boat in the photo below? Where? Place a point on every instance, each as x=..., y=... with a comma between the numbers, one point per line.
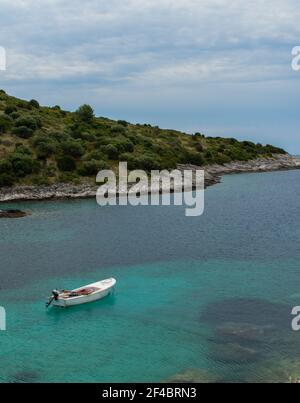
x=83, y=295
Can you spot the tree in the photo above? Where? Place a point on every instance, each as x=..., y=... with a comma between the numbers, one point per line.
x=85, y=113
x=72, y=148
x=15, y=115
x=5, y=123
x=34, y=103
x=118, y=129
x=23, y=132
x=195, y=159
x=22, y=149
x=111, y=151
x=27, y=121
x=10, y=109
x=90, y=168
x=5, y=167
x=123, y=123
x=124, y=146
x=6, y=180
x=45, y=149
x=24, y=164
x=66, y=163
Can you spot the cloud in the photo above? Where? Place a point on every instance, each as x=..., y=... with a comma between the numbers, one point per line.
x=136, y=53
x=147, y=39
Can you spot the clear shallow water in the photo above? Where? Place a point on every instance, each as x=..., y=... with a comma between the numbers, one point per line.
x=205, y=298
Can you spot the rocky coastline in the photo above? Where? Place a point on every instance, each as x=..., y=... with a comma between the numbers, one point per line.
x=213, y=175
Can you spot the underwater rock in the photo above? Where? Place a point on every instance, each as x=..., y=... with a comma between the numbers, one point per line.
x=233, y=353
x=193, y=375
x=252, y=311
x=25, y=377
x=12, y=214
x=241, y=332
x=247, y=330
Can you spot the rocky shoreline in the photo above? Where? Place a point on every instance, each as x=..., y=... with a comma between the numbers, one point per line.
x=213, y=175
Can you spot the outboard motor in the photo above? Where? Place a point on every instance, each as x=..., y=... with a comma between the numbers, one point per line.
x=55, y=294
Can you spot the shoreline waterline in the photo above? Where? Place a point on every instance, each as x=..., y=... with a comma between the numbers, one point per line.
x=213, y=176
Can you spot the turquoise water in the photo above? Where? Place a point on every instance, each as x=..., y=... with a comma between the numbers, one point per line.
x=205, y=298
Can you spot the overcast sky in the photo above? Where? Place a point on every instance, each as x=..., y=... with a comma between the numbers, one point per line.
x=222, y=67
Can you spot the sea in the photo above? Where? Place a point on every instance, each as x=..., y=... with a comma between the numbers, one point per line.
x=198, y=299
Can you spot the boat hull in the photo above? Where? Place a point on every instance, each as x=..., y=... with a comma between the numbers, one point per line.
x=106, y=287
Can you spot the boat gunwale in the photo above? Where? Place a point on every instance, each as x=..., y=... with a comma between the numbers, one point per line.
x=109, y=285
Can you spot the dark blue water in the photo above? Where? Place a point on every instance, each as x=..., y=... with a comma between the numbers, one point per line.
x=205, y=298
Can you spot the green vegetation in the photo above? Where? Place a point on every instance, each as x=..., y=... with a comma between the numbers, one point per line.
x=42, y=145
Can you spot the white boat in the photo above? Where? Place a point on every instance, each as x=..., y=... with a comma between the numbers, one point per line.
x=82, y=295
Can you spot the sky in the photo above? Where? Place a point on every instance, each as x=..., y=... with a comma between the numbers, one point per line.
x=221, y=67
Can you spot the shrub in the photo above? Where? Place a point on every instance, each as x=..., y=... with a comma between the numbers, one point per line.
x=21, y=149
x=123, y=123
x=38, y=121
x=23, y=132
x=131, y=160
x=15, y=115
x=27, y=121
x=68, y=177
x=60, y=136
x=238, y=154
x=34, y=103
x=5, y=167
x=6, y=180
x=195, y=159
x=50, y=170
x=41, y=180
x=274, y=150
x=90, y=137
x=23, y=164
x=94, y=155
x=118, y=129
x=199, y=147
x=249, y=144
x=44, y=146
x=85, y=113
x=24, y=105
x=111, y=151
x=5, y=123
x=103, y=141
x=66, y=163
x=223, y=159
x=45, y=149
x=72, y=148
x=124, y=146
x=146, y=162
x=92, y=167
x=10, y=109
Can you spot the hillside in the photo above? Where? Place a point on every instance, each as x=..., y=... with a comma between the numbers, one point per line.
x=47, y=145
